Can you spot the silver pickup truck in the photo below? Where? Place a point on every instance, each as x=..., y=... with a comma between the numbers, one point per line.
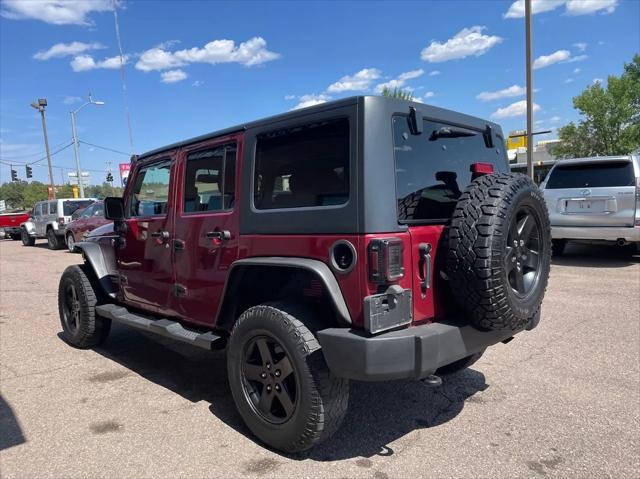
x=49, y=220
x=594, y=199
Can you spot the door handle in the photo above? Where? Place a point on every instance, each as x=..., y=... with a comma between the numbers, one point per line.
x=163, y=235
x=222, y=235
x=424, y=266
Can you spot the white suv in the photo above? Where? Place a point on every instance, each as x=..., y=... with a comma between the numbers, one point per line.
x=594, y=199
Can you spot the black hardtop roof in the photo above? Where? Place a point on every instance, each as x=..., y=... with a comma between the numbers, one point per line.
x=398, y=105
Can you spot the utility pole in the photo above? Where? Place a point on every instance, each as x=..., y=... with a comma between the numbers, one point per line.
x=75, y=139
x=40, y=106
x=527, y=16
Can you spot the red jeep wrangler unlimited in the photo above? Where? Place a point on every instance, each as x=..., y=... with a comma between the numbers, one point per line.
x=369, y=239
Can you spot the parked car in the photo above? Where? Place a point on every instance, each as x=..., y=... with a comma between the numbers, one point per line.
x=49, y=220
x=10, y=223
x=368, y=238
x=89, y=219
x=594, y=199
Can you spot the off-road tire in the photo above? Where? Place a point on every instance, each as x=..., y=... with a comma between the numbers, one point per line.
x=53, y=242
x=27, y=240
x=558, y=246
x=71, y=244
x=90, y=330
x=460, y=364
x=477, y=251
x=323, y=399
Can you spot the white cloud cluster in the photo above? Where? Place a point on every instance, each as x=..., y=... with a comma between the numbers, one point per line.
x=173, y=76
x=559, y=56
x=572, y=7
x=513, y=90
x=400, y=81
x=252, y=52
x=518, y=108
x=85, y=63
x=358, y=82
x=467, y=42
x=582, y=46
x=56, y=12
x=434, y=73
x=70, y=100
x=60, y=50
x=311, y=100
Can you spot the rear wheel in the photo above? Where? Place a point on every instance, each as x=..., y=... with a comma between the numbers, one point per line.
x=53, y=242
x=27, y=240
x=558, y=246
x=77, y=301
x=280, y=382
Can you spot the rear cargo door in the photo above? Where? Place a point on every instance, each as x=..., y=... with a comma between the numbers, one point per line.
x=592, y=193
x=433, y=168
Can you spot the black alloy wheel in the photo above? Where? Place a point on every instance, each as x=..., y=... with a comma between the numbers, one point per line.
x=269, y=380
x=522, y=255
x=71, y=308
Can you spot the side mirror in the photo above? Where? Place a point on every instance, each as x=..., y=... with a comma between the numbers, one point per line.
x=114, y=208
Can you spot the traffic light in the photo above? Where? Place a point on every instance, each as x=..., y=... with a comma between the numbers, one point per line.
x=109, y=177
x=14, y=175
x=29, y=171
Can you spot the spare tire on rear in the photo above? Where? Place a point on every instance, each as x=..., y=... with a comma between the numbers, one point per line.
x=499, y=251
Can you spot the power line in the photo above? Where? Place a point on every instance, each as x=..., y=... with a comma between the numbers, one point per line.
x=32, y=154
x=104, y=148
x=122, y=76
x=9, y=161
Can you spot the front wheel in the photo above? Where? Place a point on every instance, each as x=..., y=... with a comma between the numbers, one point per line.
x=27, y=240
x=71, y=243
x=280, y=382
x=77, y=300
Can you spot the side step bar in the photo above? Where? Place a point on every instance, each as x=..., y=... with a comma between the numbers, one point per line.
x=163, y=327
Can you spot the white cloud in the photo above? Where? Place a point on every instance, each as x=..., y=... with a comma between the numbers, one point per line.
x=569, y=80
x=67, y=49
x=518, y=108
x=513, y=90
x=70, y=100
x=173, y=76
x=576, y=71
x=572, y=7
x=289, y=97
x=559, y=56
x=582, y=46
x=84, y=63
x=358, y=82
x=57, y=12
x=434, y=73
x=597, y=80
x=252, y=52
x=311, y=100
x=555, y=119
x=586, y=7
x=198, y=83
x=401, y=80
x=429, y=94
x=467, y=42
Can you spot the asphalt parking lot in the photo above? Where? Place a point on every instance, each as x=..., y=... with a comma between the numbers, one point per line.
x=561, y=401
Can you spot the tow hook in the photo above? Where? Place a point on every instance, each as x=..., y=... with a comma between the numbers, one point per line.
x=432, y=381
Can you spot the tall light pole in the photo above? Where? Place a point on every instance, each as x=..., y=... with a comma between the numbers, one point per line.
x=527, y=16
x=75, y=138
x=40, y=105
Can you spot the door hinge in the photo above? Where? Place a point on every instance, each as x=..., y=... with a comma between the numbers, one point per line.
x=179, y=290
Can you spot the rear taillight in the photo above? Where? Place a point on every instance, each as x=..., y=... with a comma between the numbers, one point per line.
x=386, y=260
x=61, y=221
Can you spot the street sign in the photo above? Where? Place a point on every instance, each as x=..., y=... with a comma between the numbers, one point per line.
x=124, y=172
x=84, y=177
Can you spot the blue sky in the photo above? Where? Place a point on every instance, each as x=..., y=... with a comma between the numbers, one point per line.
x=194, y=67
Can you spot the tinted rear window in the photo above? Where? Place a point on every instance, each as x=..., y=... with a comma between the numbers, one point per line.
x=69, y=207
x=432, y=170
x=592, y=175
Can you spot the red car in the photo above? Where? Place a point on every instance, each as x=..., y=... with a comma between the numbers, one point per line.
x=90, y=218
x=10, y=224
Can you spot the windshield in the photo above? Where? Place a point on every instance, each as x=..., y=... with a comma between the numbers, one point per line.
x=592, y=175
x=68, y=207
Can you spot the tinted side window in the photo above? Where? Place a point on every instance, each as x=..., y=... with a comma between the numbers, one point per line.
x=98, y=210
x=151, y=190
x=592, y=175
x=434, y=168
x=87, y=212
x=304, y=166
x=38, y=209
x=210, y=180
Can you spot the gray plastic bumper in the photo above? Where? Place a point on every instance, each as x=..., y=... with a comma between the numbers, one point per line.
x=411, y=353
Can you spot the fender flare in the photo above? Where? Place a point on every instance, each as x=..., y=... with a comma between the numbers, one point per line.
x=102, y=262
x=318, y=268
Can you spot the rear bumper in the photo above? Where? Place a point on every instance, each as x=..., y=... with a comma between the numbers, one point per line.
x=411, y=353
x=10, y=230
x=596, y=233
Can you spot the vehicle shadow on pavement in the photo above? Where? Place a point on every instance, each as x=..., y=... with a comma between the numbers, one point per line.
x=379, y=413
x=597, y=256
x=10, y=430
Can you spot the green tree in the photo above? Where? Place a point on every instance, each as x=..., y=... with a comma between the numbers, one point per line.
x=610, y=123
x=397, y=93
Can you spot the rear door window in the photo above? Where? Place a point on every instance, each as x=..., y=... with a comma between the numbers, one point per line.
x=434, y=168
x=69, y=207
x=303, y=166
x=592, y=175
x=210, y=180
